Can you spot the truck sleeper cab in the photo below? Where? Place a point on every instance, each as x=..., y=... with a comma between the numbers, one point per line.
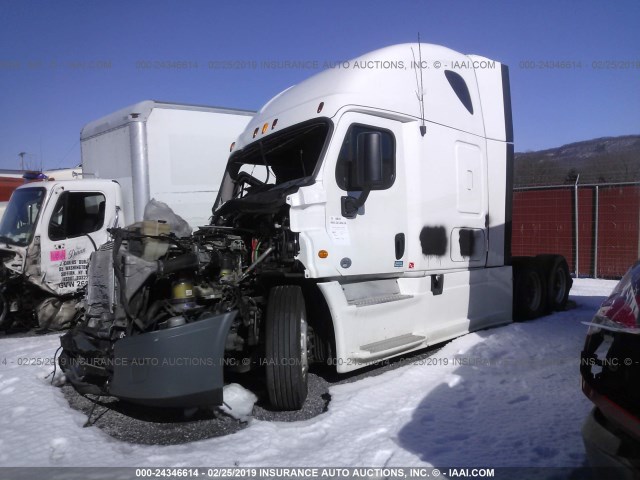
x=360, y=217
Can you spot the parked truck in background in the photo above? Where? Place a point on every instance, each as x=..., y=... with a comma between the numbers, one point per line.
x=363, y=214
x=12, y=179
x=172, y=153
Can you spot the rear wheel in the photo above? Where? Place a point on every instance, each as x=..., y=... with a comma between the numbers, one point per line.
x=559, y=281
x=529, y=291
x=286, y=347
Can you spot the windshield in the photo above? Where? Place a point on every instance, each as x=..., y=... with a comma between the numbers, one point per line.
x=286, y=158
x=21, y=215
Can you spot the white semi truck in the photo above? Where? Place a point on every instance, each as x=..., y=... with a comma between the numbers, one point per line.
x=173, y=153
x=363, y=214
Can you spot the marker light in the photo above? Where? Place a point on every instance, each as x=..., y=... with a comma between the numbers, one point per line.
x=323, y=254
x=273, y=125
x=255, y=132
x=233, y=144
x=320, y=107
x=265, y=127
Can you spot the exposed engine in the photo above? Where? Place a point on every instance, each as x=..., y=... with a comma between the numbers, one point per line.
x=151, y=284
x=154, y=299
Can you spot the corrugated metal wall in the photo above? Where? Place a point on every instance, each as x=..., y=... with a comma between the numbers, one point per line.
x=606, y=218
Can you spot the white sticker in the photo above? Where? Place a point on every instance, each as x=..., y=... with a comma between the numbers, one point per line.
x=339, y=231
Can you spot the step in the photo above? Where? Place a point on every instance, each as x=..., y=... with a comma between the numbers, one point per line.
x=409, y=340
x=366, y=302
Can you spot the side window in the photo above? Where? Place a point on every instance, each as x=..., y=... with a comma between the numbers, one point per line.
x=75, y=214
x=347, y=168
x=460, y=88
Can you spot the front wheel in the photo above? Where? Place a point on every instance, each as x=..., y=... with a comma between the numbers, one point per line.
x=286, y=346
x=5, y=320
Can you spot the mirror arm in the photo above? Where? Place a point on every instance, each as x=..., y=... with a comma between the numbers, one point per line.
x=351, y=205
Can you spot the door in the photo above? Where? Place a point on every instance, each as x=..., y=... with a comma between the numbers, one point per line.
x=369, y=236
x=469, y=243
x=74, y=225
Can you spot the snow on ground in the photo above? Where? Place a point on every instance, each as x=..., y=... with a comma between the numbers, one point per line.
x=507, y=396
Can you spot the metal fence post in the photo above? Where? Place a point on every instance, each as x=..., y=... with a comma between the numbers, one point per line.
x=577, y=224
x=595, y=234
x=612, y=247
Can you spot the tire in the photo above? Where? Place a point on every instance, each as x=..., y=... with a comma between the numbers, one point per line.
x=559, y=281
x=5, y=316
x=287, y=362
x=529, y=291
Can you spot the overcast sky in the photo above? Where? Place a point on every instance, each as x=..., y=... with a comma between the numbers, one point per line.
x=575, y=66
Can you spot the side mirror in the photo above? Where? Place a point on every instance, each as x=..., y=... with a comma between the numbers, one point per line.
x=368, y=171
x=369, y=160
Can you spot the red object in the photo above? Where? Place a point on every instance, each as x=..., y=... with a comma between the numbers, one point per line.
x=544, y=222
x=7, y=186
x=57, y=255
x=623, y=305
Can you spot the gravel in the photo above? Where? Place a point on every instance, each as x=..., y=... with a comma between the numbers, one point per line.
x=154, y=426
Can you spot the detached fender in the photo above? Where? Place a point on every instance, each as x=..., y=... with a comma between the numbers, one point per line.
x=177, y=367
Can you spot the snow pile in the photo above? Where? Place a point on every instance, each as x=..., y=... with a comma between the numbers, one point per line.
x=508, y=396
x=238, y=401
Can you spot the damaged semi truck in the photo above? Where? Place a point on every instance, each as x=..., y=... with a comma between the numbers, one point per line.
x=363, y=214
x=173, y=153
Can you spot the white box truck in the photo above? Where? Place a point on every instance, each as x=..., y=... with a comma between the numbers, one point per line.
x=173, y=153
x=363, y=214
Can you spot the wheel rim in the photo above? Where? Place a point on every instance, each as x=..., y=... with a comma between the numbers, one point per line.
x=304, y=345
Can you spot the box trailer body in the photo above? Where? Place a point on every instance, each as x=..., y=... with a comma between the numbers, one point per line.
x=172, y=153
x=363, y=214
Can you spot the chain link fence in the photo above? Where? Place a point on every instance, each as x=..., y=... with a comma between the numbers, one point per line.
x=596, y=226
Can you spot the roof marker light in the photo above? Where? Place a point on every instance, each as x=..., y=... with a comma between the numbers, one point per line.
x=273, y=125
x=265, y=127
x=233, y=144
x=255, y=132
x=320, y=107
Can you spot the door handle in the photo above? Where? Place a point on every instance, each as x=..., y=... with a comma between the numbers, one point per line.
x=400, y=242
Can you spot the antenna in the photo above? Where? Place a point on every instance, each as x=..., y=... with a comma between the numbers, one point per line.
x=420, y=87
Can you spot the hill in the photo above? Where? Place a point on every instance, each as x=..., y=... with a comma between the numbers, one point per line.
x=601, y=160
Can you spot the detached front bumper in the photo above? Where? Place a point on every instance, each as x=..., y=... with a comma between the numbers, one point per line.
x=177, y=367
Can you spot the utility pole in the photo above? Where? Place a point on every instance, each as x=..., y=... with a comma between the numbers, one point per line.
x=21, y=155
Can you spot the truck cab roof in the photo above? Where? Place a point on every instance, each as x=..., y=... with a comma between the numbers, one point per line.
x=86, y=184
x=390, y=80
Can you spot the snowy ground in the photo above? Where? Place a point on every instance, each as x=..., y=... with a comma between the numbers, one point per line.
x=508, y=396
